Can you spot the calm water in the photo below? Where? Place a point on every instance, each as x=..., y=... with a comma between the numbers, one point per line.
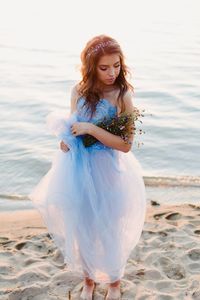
x=166, y=74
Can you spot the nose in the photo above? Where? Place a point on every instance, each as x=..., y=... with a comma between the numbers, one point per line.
x=111, y=72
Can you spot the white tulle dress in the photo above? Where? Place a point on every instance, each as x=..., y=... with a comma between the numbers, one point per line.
x=92, y=200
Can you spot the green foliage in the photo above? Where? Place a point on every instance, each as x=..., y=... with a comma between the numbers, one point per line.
x=122, y=125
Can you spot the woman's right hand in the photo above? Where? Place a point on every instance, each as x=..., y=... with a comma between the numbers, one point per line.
x=64, y=147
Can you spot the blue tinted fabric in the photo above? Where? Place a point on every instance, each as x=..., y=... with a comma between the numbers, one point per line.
x=92, y=200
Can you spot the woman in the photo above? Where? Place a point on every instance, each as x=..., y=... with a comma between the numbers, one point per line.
x=93, y=199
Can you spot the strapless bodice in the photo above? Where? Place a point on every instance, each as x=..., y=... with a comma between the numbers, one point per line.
x=103, y=109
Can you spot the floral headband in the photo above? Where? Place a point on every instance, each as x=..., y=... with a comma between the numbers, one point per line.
x=100, y=46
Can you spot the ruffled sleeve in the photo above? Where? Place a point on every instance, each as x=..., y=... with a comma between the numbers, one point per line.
x=59, y=125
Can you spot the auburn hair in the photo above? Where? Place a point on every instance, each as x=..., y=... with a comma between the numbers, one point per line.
x=90, y=56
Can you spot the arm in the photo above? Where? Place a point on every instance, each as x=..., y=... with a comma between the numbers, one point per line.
x=109, y=139
x=73, y=100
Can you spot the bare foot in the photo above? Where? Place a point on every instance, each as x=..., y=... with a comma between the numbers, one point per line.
x=114, y=292
x=88, y=288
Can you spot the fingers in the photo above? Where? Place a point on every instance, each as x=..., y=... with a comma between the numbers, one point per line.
x=73, y=130
x=64, y=147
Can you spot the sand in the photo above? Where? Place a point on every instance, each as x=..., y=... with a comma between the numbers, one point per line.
x=164, y=265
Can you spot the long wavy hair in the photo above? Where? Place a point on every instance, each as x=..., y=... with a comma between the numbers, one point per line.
x=90, y=56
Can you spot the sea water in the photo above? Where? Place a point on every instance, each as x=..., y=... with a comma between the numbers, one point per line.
x=36, y=78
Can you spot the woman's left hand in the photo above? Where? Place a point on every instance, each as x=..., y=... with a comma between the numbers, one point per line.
x=80, y=128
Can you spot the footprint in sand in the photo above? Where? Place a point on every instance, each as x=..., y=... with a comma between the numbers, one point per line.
x=155, y=203
x=147, y=234
x=194, y=254
x=158, y=216
x=164, y=286
x=5, y=268
x=196, y=295
x=3, y=239
x=28, y=292
x=194, y=268
x=170, y=230
x=33, y=275
x=164, y=297
x=152, y=275
x=197, y=231
x=170, y=269
x=72, y=280
x=162, y=233
x=30, y=261
x=195, y=222
x=6, y=241
x=173, y=216
x=151, y=258
x=32, y=246
x=128, y=289
x=5, y=255
x=19, y=246
x=175, y=271
x=196, y=207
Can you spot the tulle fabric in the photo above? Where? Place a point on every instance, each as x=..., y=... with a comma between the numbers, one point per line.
x=92, y=200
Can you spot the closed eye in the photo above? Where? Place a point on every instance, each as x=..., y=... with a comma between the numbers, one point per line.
x=104, y=69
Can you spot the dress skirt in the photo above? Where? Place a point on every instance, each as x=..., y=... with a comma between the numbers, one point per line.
x=93, y=203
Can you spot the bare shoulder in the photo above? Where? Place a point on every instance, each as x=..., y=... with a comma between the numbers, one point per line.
x=75, y=90
x=74, y=97
x=128, y=100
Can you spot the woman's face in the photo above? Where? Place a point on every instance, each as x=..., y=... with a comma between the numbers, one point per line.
x=108, y=68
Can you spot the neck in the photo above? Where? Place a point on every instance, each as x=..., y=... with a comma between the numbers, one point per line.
x=106, y=88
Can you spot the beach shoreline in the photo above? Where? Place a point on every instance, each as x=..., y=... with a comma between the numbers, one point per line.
x=165, y=264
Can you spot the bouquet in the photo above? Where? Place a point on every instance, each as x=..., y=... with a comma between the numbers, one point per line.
x=122, y=125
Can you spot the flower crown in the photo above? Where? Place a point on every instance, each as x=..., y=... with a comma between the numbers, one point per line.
x=100, y=46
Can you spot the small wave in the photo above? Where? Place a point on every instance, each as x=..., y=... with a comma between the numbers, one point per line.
x=150, y=181
x=42, y=50
x=172, y=181
x=13, y=197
